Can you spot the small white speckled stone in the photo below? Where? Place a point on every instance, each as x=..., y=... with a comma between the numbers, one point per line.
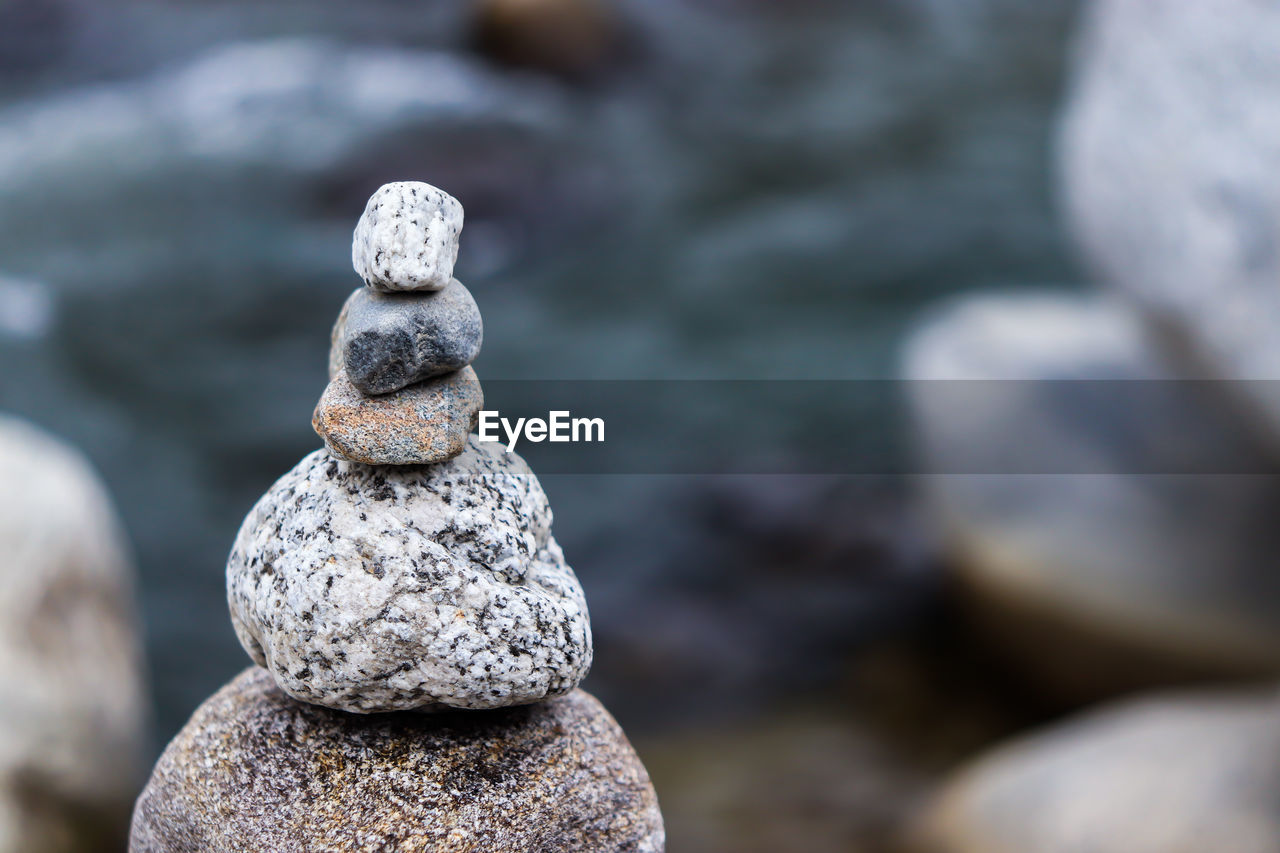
x=407, y=238
x=368, y=588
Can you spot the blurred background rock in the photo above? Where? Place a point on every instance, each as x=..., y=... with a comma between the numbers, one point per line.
x=74, y=708
x=1109, y=560
x=668, y=189
x=1172, y=773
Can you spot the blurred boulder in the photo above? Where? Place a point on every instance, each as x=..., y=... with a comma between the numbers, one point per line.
x=256, y=770
x=562, y=36
x=1176, y=774
x=73, y=704
x=1093, y=506
x=1171, y=174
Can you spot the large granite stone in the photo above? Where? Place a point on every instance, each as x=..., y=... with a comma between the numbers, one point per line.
x=1180, y=774
x=1171, y=163
x=255, y=770
x=387, y=341
x=73, y=700
x=418, y=425
x=383, y=589
x=1092, y=505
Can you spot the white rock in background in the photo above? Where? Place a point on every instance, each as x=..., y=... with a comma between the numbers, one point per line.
x=1176, y=774
x=368, y=588
x=1097, y=523
x=73, y=700
x=407, y=238
x=1171, y=174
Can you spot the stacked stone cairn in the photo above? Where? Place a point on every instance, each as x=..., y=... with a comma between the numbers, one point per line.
x=404, y=568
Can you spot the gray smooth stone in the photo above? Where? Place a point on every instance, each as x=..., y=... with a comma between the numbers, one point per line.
x=388, y=341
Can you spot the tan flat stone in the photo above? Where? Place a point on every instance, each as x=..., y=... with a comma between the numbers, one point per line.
x=419, y=425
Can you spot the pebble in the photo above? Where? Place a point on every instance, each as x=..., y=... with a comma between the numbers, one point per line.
x=392, y=588
x=419, y=425
x=559, y=775
x=1187, y=773
x=388, y=341
x=407, y=238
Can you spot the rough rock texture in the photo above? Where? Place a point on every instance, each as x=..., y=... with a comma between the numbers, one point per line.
x=1099, y=567
x=419, y=425
x=407, y=238
x=1184, y=774
x=390, y=340
x=73, y=705
x=254, y=770
x=381, y=589
x=1171, y=163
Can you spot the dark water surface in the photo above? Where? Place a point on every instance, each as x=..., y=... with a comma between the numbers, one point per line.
x=751, y=191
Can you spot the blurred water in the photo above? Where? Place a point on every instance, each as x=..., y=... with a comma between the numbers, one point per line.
x=751, y=190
